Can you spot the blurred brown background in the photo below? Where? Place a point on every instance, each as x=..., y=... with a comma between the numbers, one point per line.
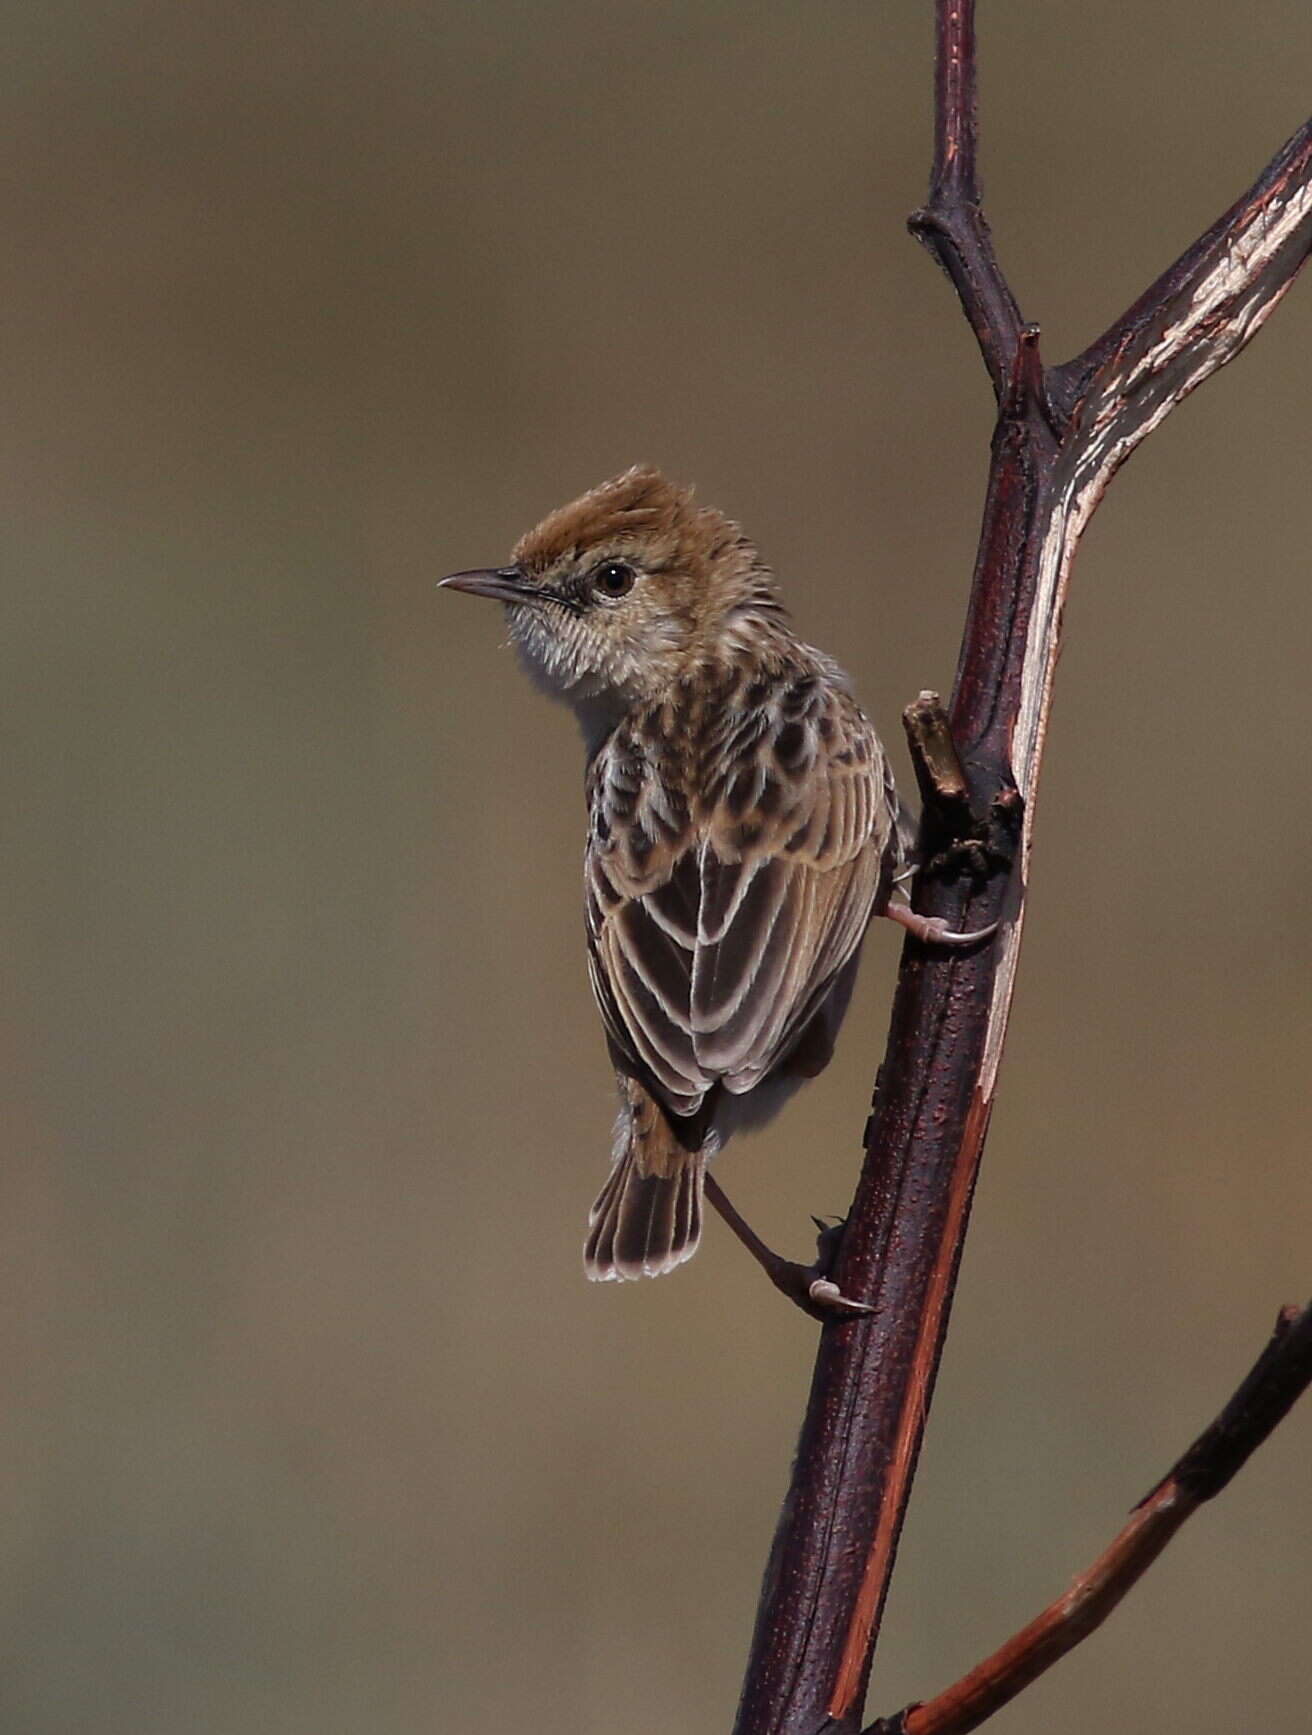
x=310, y=1424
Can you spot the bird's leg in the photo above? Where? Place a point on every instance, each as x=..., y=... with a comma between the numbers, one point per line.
x=933, y=930
x=808, y=1285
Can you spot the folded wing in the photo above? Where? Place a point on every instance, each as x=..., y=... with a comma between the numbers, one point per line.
x=730, y=879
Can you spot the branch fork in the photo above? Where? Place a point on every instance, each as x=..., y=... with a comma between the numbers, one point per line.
x=1062, y=433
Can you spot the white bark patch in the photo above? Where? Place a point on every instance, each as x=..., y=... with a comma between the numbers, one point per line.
x=1226, y=308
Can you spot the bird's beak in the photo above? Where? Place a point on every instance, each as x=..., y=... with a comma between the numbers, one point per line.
x=505, y=584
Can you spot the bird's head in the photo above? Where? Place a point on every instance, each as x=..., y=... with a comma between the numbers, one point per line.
x=628, y=589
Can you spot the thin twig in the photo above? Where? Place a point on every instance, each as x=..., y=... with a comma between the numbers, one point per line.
x=1060, y=436
x=1280, y=1376
x=951, y=223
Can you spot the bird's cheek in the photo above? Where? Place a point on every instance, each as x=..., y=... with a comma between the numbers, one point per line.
x=525, y=632
x=545, y=655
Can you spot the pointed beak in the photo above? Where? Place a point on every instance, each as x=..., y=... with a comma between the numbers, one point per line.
x=504, y=584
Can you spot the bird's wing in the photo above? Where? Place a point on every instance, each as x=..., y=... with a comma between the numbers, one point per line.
x=718, y=919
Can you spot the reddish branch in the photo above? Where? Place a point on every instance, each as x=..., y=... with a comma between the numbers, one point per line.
x=1061, y=434
x=1279, y=1377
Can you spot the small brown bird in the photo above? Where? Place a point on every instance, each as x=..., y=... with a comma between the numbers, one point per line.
x=744, y=828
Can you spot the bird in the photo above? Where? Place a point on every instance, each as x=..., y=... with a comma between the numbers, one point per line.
x=743, y=829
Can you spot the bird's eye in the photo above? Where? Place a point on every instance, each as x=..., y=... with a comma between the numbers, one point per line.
x=613, y=579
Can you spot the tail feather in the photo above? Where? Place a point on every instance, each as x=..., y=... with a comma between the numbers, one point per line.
x=648, y=1216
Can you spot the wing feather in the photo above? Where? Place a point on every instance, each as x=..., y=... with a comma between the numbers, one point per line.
x=722, y=907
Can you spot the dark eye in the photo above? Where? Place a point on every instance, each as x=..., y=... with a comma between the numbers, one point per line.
x=613, y=579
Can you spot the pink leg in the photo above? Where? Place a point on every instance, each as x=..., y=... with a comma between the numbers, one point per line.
x=933, y=930
x=807, y=1285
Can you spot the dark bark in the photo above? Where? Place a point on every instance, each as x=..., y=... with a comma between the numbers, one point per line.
x=1061, y=433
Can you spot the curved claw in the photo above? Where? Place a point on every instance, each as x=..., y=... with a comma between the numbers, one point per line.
x=933, y=930
x=807, y=1286
x=830, y=1297
x=942, y=935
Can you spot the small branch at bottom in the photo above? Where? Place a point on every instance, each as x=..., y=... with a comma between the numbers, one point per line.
x=1278, y=1378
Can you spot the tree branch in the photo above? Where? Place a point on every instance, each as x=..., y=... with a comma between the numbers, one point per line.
x=951, y=223
x=1280, y=1376
x=1060, y=435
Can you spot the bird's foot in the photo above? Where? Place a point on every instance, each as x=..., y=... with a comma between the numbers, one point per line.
x=810, y=1286
x=819, y=1296
x=933, y=930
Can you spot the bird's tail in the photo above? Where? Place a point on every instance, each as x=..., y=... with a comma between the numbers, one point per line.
x=648, y=1216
